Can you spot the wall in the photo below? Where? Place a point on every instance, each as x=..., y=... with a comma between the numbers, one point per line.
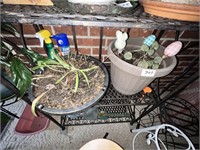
x=88, y=43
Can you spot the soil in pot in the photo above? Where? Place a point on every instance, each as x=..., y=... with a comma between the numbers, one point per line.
x=63, y=95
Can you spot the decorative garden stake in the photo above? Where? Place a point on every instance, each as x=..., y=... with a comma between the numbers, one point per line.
x=120, y=42
x=172, y=49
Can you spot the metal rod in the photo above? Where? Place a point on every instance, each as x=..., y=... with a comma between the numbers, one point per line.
x=160, y=35
x=170, y=95
x=37, y=29
x=11, y=87
x=186, y=70
x=177, y=35
x=8, y=112
x=154, y=31
x=100, y=43
x=27, y=100
x=74, y=39
x=128, y=31
x=22, y=36
x=178, y=118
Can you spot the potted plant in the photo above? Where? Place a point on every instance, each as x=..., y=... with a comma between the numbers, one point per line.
x=185, y=10
x=135, y=63
x=98, y=6
x=60, y=85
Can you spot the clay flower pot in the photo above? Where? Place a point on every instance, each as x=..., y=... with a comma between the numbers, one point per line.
x=186, y=11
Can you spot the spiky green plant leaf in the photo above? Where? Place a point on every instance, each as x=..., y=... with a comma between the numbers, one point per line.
x=76, y=82
x=85, y=76
x=60, y=79
x=60, y=60
x=7, y=27
x=44, y=62
x=21, y=75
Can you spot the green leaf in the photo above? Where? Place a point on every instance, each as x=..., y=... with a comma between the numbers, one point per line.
x=128, y=55
x=5, y=46
x=143, y=64
x=155, y=66
x=144, y=48
x=35, y=101
x=150, y=63
x=21, y=75
x=158, y=59
x=34, y=56
x=7, y=27
x=155, y=45
x=60, y=60
x=77, y=82
x=86, y=78
x=60, y=79
x=44, y=62
x=91, y=68
x=6, y=49
x=150, y=52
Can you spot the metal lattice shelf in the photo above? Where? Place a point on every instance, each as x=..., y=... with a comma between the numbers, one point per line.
x=54, y=15
x=113, y=108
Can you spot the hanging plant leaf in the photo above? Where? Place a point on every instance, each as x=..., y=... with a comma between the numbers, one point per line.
x=155, y=66
x=150, y=52
x=9, y=28
x=34, y=56
x=21, y=75
x=5, y=49
x=144, y=48
x=143, y=64
x=128, y=55
x=158, y=59
x=155, y=45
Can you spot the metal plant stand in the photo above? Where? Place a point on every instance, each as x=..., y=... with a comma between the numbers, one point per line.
x=113, y=107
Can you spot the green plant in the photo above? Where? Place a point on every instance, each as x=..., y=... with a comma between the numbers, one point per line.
x=22, y=73
x=12, y=61
x=146, y=56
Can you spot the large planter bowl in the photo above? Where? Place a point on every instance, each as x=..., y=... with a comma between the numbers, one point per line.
x=129, y=79
x=92, y=102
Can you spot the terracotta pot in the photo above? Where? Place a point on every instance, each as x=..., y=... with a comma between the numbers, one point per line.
x=185, y=12
x=129, y=79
